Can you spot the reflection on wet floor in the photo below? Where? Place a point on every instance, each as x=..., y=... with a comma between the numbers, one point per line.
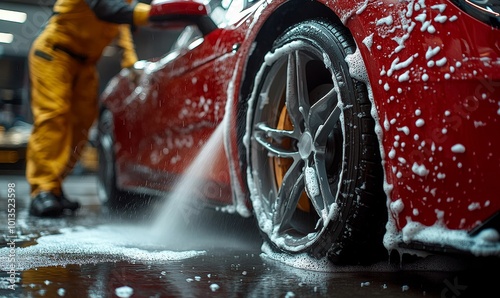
x=237, y=274
x=98, y=254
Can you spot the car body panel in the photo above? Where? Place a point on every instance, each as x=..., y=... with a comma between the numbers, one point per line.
x=439, y=111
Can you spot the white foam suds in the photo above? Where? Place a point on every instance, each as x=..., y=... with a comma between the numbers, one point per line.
x=214, y=287
x=458, y=148
x=100, y=244
x=124, y=292
x=368, y=41
x=317, y=269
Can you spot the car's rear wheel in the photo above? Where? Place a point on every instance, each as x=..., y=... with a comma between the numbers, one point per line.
x=314, y=168
x=108, y=193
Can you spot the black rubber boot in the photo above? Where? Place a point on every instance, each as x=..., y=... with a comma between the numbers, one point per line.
x=67, y=204
x=46, y=204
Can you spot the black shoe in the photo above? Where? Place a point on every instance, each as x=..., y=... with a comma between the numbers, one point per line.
x=67, y=204
x=46, y=204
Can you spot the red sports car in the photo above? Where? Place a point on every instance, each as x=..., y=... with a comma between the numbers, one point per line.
x=349, y=129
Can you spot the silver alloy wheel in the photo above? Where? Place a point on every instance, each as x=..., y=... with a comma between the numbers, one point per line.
x=307, y=138
x=315, y=138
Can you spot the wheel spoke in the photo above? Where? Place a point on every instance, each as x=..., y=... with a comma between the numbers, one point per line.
x=322, y=110
x=321, y=139
x=297, y=100
x=275, y=134
x=314, y=190
x=323, y=130
x=288, y=195
x=328, y=195
x=262, y=134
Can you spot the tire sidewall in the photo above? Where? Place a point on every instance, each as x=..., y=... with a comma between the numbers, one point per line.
x=106, y=175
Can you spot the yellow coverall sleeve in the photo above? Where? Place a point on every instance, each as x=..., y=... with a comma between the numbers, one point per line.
x=125, y=41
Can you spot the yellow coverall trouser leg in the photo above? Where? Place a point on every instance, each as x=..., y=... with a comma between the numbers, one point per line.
x=64, y=106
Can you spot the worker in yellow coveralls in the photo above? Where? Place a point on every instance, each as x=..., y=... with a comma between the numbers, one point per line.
x=64, y=89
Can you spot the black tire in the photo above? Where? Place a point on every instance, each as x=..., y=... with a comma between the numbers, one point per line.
x=316, y=128
x=107, y=191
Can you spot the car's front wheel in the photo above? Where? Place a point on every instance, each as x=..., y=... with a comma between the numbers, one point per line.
x=314, y=168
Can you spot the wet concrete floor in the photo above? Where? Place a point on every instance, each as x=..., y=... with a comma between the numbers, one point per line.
x=95, y=253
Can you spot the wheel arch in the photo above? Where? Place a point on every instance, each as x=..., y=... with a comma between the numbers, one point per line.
x=273, y=27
